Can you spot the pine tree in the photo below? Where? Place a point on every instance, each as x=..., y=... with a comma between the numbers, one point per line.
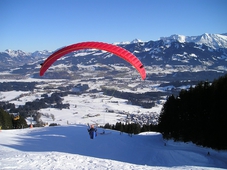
x=5, y=120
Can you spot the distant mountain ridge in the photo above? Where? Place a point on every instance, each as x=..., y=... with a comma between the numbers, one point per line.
x=179, y=53
x=214, y=41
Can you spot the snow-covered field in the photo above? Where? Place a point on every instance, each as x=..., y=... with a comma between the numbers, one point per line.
x=85, y=108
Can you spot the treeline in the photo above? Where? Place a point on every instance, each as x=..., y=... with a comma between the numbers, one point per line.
x=17, y=86
x=9, y=121
x=131, y=128
x=198, y=115
x=145, y=100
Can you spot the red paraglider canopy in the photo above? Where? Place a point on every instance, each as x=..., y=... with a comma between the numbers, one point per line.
x=116, y=50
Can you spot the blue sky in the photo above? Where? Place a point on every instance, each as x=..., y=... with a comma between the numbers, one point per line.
x=31, y=25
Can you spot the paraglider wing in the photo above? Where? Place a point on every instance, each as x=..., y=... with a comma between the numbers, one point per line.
x=116, y=50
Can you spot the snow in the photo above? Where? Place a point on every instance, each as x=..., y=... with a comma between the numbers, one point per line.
x=10, y=95
x=215, y=41
x=69, y=147
x=85, y=108
x=129, y=42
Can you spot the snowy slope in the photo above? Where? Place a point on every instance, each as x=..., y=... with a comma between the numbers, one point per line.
x=69, y=147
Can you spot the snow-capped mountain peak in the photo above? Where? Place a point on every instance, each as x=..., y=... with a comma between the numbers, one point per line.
x=136, y=41
x=128, y=42
x=20, y=53
x=214, y=41
x=41, y=53
x=15, y=53
x=174, y=37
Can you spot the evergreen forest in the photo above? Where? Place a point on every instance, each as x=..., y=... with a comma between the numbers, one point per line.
x=10, y=121
x=198, y=114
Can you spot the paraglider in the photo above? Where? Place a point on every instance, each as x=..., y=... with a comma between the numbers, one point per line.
x=92, y=131
x=114, y=49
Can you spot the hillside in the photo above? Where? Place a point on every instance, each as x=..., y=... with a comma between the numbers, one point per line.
x=69, y=147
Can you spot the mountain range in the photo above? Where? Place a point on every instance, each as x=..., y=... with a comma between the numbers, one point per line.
x=189, y=57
